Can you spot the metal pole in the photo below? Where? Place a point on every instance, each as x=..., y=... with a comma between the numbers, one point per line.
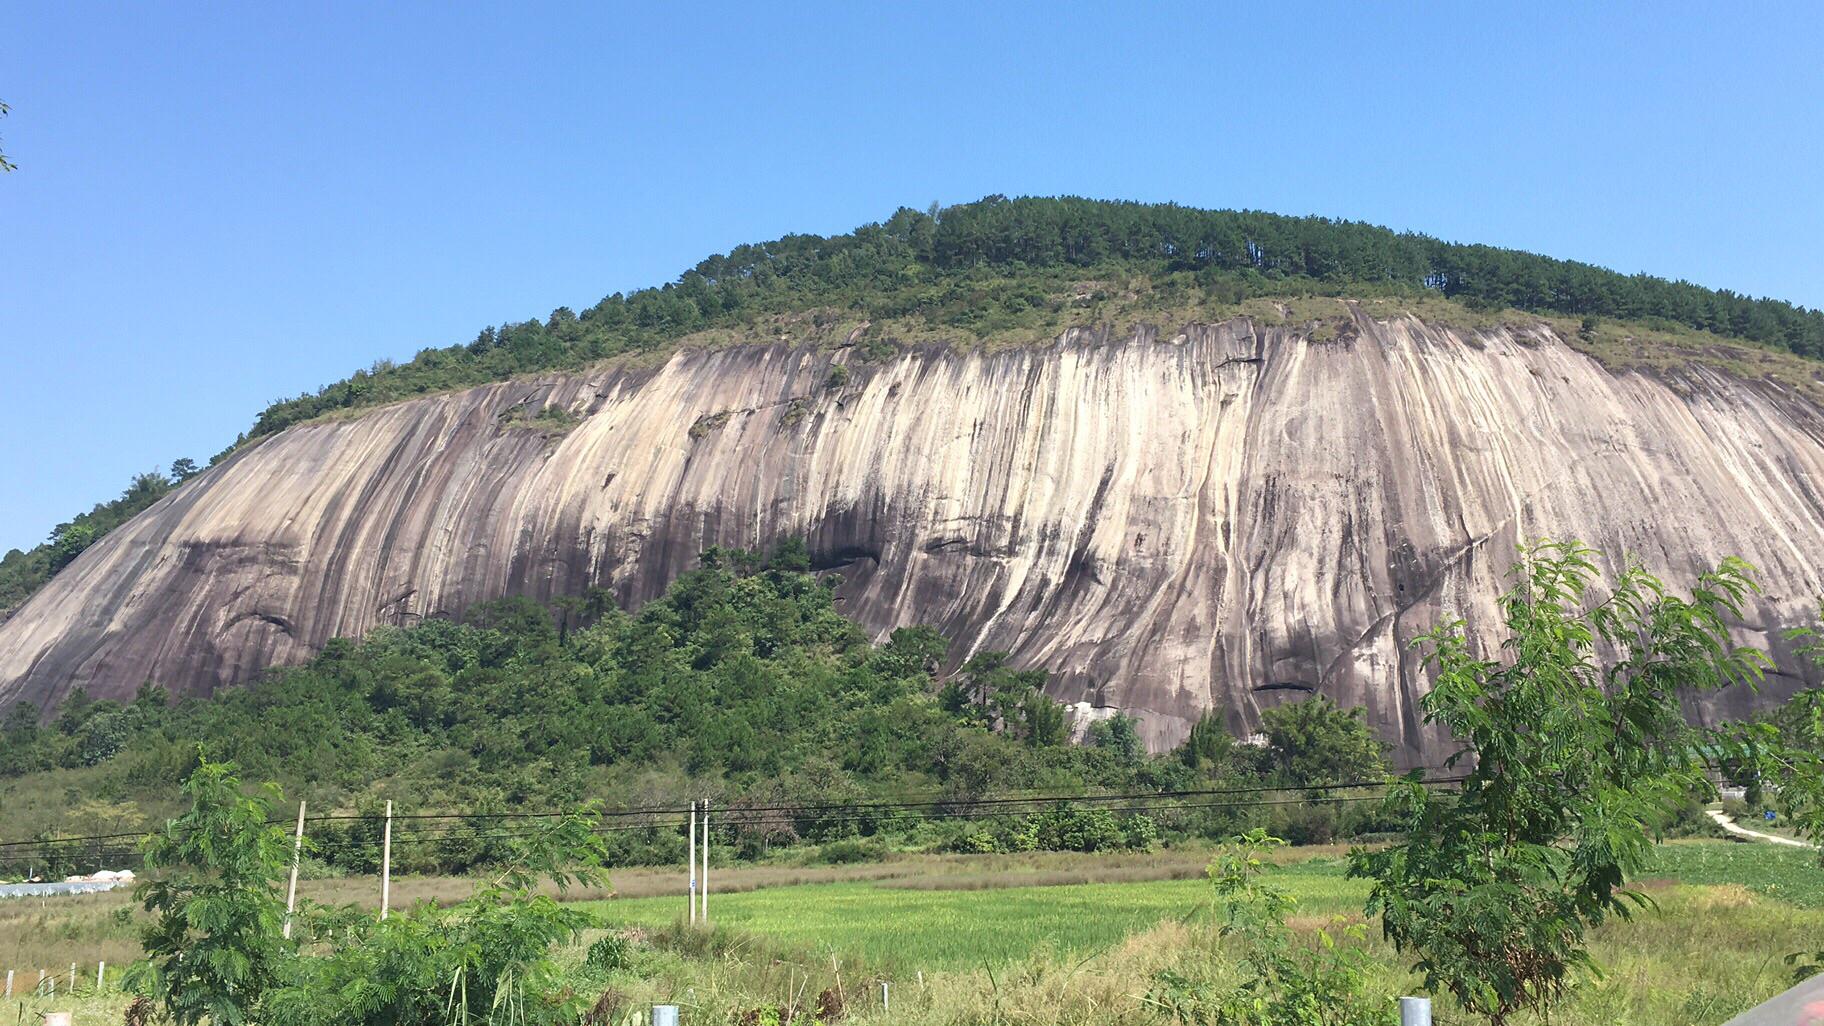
x=297, y=851
x=386, y=864
x=1415, y=1011
x=690, y=864
x=706, y=860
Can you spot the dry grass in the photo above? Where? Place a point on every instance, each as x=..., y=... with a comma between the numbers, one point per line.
x=45, y=933
x=87, y=1008
x=911, y=871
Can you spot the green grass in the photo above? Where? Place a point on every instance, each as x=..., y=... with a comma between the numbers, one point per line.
x=1724, y=915
x=935, y=929
x=889, y=924
x=1790, y=875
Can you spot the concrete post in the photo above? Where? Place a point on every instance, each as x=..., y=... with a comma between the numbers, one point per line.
x=664, y=1015
x=1415, y=1011
x=386, y=864
x=297, y=852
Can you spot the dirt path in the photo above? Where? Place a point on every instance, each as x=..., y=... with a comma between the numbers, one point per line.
x=1723, y=820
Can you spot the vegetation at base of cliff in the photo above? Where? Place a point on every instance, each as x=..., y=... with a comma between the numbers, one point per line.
x=22, y=573
x=743, y=681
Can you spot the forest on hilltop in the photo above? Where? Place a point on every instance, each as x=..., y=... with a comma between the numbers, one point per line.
x=998, y=264
x=969, y=266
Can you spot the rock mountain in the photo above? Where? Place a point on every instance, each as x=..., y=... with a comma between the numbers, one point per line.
x=1226, y=517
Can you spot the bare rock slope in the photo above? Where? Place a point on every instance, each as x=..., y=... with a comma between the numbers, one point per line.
x=1226, y=518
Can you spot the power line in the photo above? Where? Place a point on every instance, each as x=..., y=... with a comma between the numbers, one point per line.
x=952, y=807
x=735, y=819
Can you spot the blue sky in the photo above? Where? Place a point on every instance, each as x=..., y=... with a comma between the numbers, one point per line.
x=219, y=205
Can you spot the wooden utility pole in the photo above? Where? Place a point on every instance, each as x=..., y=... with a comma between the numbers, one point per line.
x=297, y=851
x=386, y=863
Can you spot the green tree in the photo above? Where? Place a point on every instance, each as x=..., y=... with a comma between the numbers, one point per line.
x=1119, y=735
x=1042, y=721
x=1209, y=748
x=214, y=942
x=1785, y=749
x=1316, y=742
x=1575, y=747
x=68, y=541
x=912, y=652
x=791, y=555
x=994, y=694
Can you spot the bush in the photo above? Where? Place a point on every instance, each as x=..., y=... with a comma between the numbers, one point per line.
x=1142, y=832
x=1286, y=981
x=1067, y=829
x=842, y=853
x=612, y=953
x=975, y=841
x=217, y=952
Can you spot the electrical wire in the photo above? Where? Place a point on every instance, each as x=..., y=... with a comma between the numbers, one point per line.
x=760, y=816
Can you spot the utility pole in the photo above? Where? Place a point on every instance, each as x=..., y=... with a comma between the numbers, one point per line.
x=706, y=861
x=297, y=851
x=690, y=861
x=386, y=863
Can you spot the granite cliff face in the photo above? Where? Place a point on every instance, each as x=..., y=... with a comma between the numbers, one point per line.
x=1228, y=517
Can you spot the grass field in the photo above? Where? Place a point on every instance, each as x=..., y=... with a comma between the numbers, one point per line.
x=1724, y=916
x=898, y=928
x=950, y=914
x=1053, y=938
